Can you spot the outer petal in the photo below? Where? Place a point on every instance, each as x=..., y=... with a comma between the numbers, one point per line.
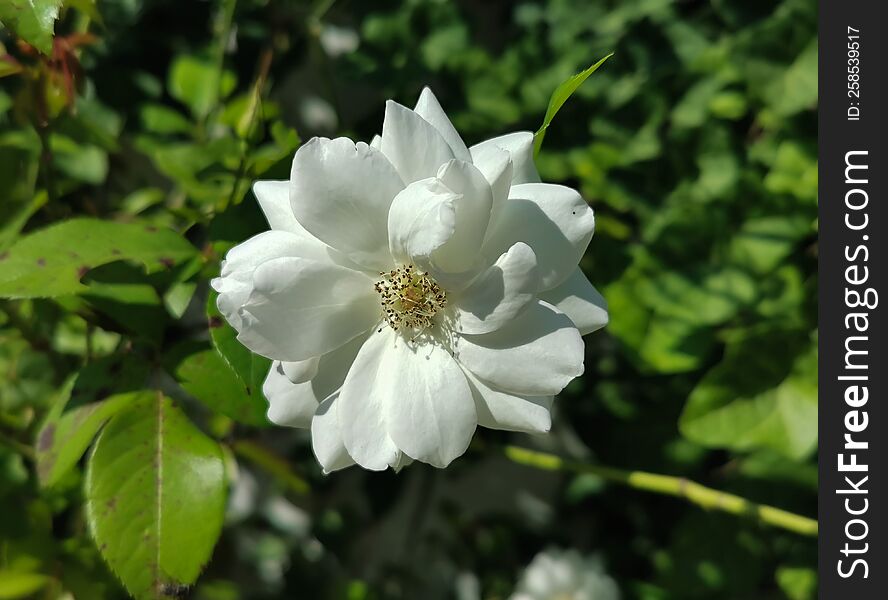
x=427, y=403
x=500, y=293
x=412, y=144
x=360, y=409
x=236, y=282
x=536, y=354
x=289, y=404
x=274, y=199
x=292, y=404
x=341, y=192
x=499, y=410
x=579, y=300
x=520, y=146
x=554, y=220
x=430, y=109
x=326, y=437
x=421, y=220
x=301, y=371
x=303, y=308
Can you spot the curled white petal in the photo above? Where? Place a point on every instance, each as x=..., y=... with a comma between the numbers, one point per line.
x=341, y=192
x=511, y=412
x=554, y=220
x=536, y=354
x=519, y=145
x=289, y=404
x=500, y=293
x=236, y=281
x=326, y=437
x=302, y=308
x=578, y=299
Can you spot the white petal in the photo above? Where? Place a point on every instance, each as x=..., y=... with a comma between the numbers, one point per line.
x=326, y=437
x=413, y=146
x=274, y=199
x=421, y=220
x=554, y=220
x=520, y=146
x=341, y=192
x=472, y=214
x=300, y=371
x=236, y=281
x=496, y=166
x=302, y=308
x=579, y=300
x=500, y=293
x=510, y=412
x=293, y=403
x=334, y=366
x=360, y=409
x=289, y=404
x=427, y=403
x=430, y=109
x=536, y=354
x=376, y=142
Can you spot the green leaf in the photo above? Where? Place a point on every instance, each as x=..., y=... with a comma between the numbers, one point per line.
x=164, y=120
x=763, y=243
x=31, y=20
x=155, y=496
x=250, y=368
x=51, y=262
x=60, y=444
x=198, y=83
x=703, y=296
x=559, y=97
x=15, y=585
x=756, y=400
x=798, y=583
x=206, y=376
x=108, y=376
x=9, y=66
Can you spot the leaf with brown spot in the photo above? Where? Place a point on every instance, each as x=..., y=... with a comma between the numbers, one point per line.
x=167, y=508
x=96, y=243
x=61, y=443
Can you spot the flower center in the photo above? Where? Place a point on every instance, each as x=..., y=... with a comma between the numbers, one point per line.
x=409, y=298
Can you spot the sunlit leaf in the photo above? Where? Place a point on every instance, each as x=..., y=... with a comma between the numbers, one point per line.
x=61, y=443
x=155, y=496
x=249, y=367
x=31, y=20
x=52, y=261
x=198, y=83
x=206, y=376
x=14, y=585
x=559, y=97
x=754, y=399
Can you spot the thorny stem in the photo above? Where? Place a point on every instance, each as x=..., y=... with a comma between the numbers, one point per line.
x=702, y=496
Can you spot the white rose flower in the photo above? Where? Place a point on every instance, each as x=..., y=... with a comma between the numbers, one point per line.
x=556, y=574
x=412, y=289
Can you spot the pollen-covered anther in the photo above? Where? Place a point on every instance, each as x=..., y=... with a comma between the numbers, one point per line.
x=409, y=298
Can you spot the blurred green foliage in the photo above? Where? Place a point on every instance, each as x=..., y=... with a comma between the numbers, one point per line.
x=134, y=135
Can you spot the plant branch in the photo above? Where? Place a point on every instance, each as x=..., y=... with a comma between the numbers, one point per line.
x=702, y=496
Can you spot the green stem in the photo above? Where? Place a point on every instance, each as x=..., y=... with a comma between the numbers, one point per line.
x=702, y=496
